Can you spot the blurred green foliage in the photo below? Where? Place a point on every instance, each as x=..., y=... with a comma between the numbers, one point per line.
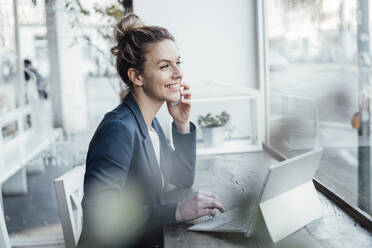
x=210, y=120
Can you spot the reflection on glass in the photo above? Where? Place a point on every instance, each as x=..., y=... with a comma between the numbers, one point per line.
x=9, y=131
x=313, y=87
x=27, y=124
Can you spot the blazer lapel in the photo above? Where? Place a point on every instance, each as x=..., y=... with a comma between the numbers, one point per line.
x=147, y=143
x=133, y=106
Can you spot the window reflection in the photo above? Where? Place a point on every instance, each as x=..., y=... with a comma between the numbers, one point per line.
x=313, y=87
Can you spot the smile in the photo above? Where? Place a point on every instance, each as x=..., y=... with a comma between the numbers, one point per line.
x=172, y=86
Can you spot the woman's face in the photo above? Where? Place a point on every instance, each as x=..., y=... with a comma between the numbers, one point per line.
x=162, y=73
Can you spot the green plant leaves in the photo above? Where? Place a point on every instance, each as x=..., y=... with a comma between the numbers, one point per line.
x=210, y=120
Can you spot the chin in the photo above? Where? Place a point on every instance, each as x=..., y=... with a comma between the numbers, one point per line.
x=174, y=98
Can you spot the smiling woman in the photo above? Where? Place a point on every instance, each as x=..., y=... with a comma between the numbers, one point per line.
x=129, y=162
x=162, y=72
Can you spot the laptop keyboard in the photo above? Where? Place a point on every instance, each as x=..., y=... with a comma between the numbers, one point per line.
x=230, y=220
x=233, y=224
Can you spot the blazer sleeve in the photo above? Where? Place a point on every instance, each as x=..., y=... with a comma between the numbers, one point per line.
x=108, y=160
x=180, y=161
x=108, y=163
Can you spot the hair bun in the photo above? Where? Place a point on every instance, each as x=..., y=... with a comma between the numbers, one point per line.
x=132, y=38
x=129, y=23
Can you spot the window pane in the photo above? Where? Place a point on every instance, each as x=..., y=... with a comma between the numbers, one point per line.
x=7, y=58
x=28, y=163
x=314, y=89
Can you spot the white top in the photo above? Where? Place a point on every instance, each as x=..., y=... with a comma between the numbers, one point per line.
x=156, y=144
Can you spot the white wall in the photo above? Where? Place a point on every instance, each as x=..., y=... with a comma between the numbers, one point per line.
x=216, y=37
x=217, y=41
x=72, y=75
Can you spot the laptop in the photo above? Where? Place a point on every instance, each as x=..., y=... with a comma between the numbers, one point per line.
x=287, y=200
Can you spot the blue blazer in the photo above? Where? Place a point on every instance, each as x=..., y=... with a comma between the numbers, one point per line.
x=121, y=155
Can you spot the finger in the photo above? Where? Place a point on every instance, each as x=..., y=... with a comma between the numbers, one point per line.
x=203, y=195
x=206, y=211
x=213, y=204
x=185, y=86
x=186, y=92
x=212, y=212
x=219, y=206
x=186, y=101
x=215, y=199
x=198, y=196
x=202, y=200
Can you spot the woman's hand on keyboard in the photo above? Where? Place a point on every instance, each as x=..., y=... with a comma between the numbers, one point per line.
x=199, y=204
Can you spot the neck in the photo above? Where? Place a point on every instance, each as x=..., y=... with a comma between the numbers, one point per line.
x=149, y=107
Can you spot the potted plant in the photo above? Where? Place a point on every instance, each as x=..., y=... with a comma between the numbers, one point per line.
x=212, y=127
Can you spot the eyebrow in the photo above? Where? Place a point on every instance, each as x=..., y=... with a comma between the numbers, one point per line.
x=165, y=60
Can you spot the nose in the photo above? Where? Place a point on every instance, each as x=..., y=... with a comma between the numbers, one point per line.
x=177, y=73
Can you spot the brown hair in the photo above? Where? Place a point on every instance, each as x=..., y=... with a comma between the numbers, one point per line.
x=132, y=38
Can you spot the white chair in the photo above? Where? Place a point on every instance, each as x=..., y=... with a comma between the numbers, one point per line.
x=69, y=193
x=4, y=238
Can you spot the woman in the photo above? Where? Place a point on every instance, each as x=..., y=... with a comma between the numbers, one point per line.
x=129, y=162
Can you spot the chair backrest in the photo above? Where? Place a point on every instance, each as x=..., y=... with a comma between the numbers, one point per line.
x=69, y=192
x=4, y=238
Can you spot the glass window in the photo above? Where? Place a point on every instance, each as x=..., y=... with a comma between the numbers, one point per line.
x=316, y=89
x=29, y=203
x=223, y=126
x=7, y=57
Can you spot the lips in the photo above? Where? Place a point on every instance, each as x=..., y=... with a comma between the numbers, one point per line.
x=172, y=86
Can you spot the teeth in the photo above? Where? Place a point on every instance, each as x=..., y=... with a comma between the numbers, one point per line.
x=172, y=86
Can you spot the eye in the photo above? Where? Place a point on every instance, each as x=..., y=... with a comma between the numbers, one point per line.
x=163, y=67
x=178, y=63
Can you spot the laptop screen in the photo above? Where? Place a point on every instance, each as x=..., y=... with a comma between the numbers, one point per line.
x=291, y=173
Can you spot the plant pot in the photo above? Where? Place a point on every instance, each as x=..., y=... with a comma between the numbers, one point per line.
x=213, y=136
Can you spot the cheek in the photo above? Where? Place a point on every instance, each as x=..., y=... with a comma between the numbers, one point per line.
x=160, y=79
x=157, y=80
x=156, y=84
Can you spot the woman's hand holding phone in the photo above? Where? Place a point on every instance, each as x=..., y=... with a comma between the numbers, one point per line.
x=181, y=111
x=179, y=100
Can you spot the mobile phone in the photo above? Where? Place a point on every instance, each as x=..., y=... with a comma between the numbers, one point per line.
x=179, y=100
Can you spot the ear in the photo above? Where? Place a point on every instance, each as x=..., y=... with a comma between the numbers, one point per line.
x=135, y=76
